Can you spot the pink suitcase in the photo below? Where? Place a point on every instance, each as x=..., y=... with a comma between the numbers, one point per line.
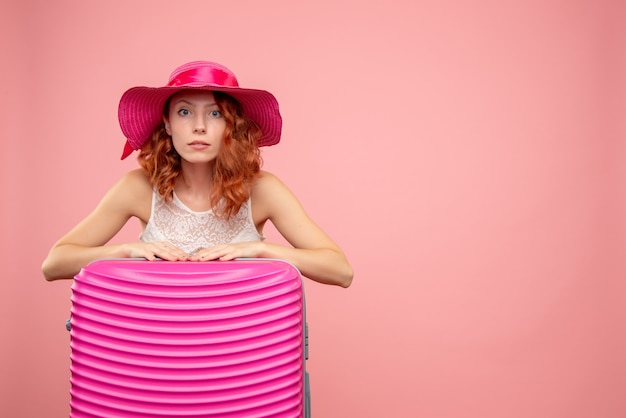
x=188, y=339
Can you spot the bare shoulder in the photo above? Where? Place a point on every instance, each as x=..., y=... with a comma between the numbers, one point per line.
x=132, y=194
x=137, y=180
x=272, y=198
x=268, y=188
x=134, y=182
x=266, y=180
x=129, y=197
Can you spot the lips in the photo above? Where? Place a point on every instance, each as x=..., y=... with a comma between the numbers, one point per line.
x=199, y=145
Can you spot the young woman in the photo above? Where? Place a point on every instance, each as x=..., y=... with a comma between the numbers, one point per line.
x=200, y=193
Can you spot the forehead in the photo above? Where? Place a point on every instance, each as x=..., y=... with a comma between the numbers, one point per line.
x=193, y=95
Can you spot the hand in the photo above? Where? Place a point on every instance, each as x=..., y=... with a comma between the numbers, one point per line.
x=152, y=250
x=225, y=252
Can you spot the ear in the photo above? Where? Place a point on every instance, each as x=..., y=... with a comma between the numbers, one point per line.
x=166, y=123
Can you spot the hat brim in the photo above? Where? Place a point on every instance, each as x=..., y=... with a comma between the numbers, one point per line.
x=141, y=111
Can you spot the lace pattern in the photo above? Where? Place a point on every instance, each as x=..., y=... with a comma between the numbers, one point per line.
x=188, y=230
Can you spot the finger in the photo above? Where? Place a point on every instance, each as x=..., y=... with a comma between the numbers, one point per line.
x=163, y=254
x=167, y=251
x=210, y=254
x=229, y=256
x=205, y=257
x=228, y=253
x=160, y=250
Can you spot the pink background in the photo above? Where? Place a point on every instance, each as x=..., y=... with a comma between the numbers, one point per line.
x=467, y=155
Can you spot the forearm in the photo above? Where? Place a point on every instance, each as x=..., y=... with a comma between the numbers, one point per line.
x=65, y=261
x=323, y=265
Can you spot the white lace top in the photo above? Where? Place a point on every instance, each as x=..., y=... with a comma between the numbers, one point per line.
x=189, y=230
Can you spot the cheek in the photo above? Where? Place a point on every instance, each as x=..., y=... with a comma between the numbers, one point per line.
x=174, y=126
x=219, y=128
x=177, y=145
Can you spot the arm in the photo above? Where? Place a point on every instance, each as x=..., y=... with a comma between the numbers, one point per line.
x=130, y=196
x=313, y=252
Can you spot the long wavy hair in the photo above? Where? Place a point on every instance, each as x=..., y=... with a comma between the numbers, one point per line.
x=236, y=166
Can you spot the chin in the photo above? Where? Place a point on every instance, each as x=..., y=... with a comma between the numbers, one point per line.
x=198, y=159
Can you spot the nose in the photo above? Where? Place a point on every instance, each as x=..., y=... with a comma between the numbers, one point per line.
x=200, y=126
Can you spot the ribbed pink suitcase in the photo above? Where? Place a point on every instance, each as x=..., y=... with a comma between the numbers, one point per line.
x=188, y=339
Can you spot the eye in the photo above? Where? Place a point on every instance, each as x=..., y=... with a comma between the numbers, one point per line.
x=183, y=112
x=215, y=113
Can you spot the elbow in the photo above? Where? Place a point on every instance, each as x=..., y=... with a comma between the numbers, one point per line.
x=345, y=283
x=50, y=270
x=343, y=273
x=345, y=279
x=47, y=269
x=336, y=277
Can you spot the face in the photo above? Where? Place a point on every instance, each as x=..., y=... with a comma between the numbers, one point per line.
x=196, y=125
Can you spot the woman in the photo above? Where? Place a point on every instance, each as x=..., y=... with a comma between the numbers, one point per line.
x=200, y=193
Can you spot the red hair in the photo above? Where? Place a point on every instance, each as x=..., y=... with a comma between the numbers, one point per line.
x=236, y=166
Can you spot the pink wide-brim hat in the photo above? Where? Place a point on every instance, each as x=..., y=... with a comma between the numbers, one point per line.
x=141, y=108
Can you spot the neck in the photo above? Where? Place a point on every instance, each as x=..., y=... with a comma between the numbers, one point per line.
x=197, y=179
